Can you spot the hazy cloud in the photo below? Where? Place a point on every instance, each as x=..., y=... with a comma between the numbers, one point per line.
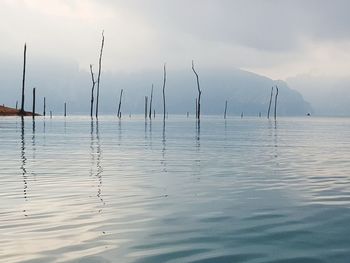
x=276, y=38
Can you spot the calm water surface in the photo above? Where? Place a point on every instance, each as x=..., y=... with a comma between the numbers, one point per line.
x=245, y=190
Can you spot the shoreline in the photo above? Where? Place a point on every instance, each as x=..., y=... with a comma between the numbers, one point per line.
x=7, y=111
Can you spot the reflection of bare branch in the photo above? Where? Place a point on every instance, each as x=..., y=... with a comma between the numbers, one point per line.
x=23, y=163
x=99, y=167
x=164, y=148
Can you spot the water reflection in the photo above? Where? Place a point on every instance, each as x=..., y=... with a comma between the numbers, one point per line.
x=273, y=134
x=92, y=148
x=198, y=134
x=150, y=132
x=218, y=197
x=119, y=132
x=23, y=163
x=197, y=159
x=163, y=161
x=145, y=130
x=99, y=167
x=33, y=138
x=95, y=147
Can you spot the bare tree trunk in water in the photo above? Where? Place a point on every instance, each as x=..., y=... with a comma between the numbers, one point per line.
x=65, y=109
x=16, y=104
x=275, y=113
x=24, y=77
x=150, y=104
x=92, y=91
x=146, y=103
x=199, y=92
x=44, y=111
x=99, y=74
x=33, y=103
x=268, y=112
x=196, y=108
x=225, y=109
x=119, y=114
x=164, y=92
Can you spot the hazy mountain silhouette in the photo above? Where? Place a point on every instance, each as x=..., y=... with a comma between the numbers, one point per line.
x=245, y=91
x=328, y=96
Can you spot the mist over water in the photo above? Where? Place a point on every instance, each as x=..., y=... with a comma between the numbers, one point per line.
x=240, y=190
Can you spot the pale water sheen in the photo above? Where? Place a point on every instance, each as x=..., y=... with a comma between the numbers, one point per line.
x=245, y=190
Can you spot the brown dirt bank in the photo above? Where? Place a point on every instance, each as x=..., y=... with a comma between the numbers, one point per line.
x=7, y=111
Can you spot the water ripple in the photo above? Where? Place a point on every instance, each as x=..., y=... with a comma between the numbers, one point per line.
x=129, y=191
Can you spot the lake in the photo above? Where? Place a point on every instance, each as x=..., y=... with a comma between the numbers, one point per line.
x=235, y=190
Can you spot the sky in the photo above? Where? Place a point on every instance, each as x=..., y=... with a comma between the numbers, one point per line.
x=303, y=42
x=278, y=39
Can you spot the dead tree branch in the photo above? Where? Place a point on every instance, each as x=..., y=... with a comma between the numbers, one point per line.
x=199, y=93
x=164, y=92
x=99, y=74
x=24, y=76
x=275, y=113
x=268, y=111
x=150, y=104
x=92, y=91
x=225, y=109
x=119, y=114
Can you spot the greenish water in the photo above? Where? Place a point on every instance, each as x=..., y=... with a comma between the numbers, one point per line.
x=240, y=190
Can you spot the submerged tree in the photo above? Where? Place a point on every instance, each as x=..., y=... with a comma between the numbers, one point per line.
x=146, y=104
x=44, y=111
x=275, y=113
x=225, y=110
x=150, y=103
x=268, y=111
x=119, y=114
x=99, y=73
x=164, y=81
x=199, y=93
x=33, y=103
x=92, y=91
x=24, y=77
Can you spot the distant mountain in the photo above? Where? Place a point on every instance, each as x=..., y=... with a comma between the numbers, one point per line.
x=329, y=96
x=245, y=91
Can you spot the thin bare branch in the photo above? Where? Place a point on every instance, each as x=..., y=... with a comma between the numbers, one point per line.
x=99, y=73
x=268, y=112
x=199, y=92
x=275, y=113
x=92, y=91
x=164, y=91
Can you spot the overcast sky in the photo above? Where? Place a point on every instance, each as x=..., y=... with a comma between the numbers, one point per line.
x=279, y=39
